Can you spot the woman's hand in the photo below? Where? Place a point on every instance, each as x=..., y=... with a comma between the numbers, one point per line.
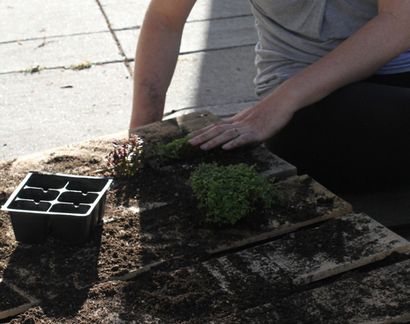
x=252, y=125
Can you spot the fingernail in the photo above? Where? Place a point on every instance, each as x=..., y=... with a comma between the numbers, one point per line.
x=204, y=147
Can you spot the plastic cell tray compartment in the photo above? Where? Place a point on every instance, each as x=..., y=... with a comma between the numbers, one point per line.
x=65, y=206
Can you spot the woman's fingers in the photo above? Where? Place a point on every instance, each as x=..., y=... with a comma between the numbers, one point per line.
x=200, y=131
x=220, y=139
x=229, y=120
x=215, y=136
x=207, y=128
x=241, y=140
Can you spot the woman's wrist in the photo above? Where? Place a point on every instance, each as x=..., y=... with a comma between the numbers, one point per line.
x=282, y=98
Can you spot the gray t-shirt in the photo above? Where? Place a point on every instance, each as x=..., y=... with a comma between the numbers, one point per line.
x=296, y=33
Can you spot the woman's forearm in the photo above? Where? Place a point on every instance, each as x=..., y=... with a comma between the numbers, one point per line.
x=156, y=57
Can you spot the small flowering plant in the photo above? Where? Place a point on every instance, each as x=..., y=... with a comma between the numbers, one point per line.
x=126, y=159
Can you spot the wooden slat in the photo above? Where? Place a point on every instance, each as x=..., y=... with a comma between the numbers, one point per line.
x=196, y=120
x=176, y=127
x=29, y=301
x=380, y=296
x=310, y=255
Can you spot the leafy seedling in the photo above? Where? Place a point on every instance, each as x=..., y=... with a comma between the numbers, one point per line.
x=230, y=193
x=126, y=160
x=177, y=150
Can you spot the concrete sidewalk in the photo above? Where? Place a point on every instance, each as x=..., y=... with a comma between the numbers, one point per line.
x=45, y=101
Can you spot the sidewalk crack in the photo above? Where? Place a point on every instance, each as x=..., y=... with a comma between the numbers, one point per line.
x=117, y=41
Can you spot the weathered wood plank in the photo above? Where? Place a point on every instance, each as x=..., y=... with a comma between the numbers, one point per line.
x=175, y=127
x=10, y=293
x=379, y=296
x=309, y=255
x=278, y=168
x=196, y=120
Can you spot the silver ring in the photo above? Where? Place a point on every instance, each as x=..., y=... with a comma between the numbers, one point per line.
x=236, y=131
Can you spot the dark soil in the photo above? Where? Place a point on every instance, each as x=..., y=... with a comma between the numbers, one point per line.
x=9, y=298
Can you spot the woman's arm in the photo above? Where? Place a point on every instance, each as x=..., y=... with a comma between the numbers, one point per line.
x=156, y=57
x=377, y=42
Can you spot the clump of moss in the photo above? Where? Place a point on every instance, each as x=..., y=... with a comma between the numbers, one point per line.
x=126, y=159
x=176, y=150
x=230, y=193
x=34, y=69
x=81, y=66
x=173, y=150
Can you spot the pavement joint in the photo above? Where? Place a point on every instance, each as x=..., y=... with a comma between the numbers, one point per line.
x=130, y=60
x=217, y=49
x=136, y=27
x=210, y=19
x=61, y=67
x=51, y=37
x=117, y=41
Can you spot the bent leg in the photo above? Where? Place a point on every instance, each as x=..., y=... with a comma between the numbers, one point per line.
x=355, y=139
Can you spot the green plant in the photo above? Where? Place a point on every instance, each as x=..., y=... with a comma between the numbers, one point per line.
x=126, y=159
x=229, y=193
x=175, y=150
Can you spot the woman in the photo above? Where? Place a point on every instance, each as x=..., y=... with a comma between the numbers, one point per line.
x=334, y=77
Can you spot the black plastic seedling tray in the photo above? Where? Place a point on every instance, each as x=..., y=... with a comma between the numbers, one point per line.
x=64, y=206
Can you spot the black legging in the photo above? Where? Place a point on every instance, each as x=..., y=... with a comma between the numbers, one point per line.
x=357, y=138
